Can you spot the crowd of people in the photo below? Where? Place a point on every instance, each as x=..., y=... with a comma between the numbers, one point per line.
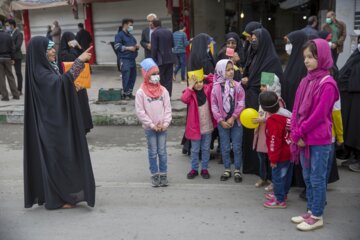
x=301, y=119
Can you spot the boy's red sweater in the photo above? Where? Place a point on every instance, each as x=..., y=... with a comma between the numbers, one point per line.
x=277, y=138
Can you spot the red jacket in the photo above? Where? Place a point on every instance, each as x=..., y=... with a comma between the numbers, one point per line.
x=278, y=137
x=192, y=129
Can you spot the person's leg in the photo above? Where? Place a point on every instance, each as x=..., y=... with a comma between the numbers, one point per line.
x=334, y=55
x=236, y=138
x=306, y=170
x=18, y=74
x=225, y=146
x=288, y=177
x=125, y=73
x=161, y=151
x=3, y=91
x=152, y=150
x=132, y=78
x=278, y=181
x=178, y=64
x=319, y=162
x=205, y=150
x=195, y=149
x=11, y=79
x=183, y=65
x=262, y=167
x=330, y=161
x=169, y=75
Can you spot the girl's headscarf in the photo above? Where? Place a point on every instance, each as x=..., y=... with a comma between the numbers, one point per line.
x=148, y=68
x=220, y=71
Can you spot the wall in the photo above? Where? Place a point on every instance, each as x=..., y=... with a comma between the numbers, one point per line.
x=107, y=19
x=209, y=17
x=345, y=11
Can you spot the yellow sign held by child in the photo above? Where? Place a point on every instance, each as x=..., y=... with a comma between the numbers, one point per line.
x=199, y=74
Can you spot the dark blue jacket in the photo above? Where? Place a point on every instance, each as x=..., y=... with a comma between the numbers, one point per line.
x=122, y=40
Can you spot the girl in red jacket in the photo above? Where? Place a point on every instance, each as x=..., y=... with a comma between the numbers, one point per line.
x=278, y=144
x=199, y=124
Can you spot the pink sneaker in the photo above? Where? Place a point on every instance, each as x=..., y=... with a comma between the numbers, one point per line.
x=311, y=223
x=272, y=203
x=271, y=195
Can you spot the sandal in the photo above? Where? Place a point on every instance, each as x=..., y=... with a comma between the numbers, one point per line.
x=237, y=176
x=226, y=175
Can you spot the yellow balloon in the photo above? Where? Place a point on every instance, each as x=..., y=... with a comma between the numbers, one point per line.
x=246, y=117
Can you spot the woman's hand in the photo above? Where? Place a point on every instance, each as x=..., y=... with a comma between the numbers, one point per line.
x=235, y=58
x=78, y=87
x=245, y=81
x=86, y=55
x=301, y=143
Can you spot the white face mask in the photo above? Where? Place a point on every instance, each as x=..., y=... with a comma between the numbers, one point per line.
x=330, y=44
x=358, y=47
x=154, y=79
x=288, y=48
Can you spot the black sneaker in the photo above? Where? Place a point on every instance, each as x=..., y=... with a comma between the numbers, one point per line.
x=225, y=176
x=237, y=176
x=349, y=162
x=5, y=99
x=192, y=174
x=16, y=98
x=131, y=96
x=302, y=195
x=205, y=174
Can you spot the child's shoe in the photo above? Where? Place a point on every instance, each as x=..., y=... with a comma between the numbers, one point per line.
x=260, y=183
x=301, y=218
x=269, y=188
x=163, y=180
x=226, y=175
x=237, y=176
x=272, y=203
x=311, y=223
x=271, y=195
x=192, y=174
x=155, y=180
x=205, y=174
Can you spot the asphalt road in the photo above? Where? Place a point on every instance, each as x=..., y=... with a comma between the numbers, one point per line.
x=127, y=207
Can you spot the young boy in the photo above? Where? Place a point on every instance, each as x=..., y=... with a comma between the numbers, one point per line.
x=278, y=144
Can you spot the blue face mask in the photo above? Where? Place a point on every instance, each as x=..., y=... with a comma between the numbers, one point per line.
x=328, y=20
x=130, y=29
x=8, y=29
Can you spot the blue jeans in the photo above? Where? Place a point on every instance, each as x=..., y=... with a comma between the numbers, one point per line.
x=331, y=158
x=128, y=72
x=281, y=179
x=156, y=143
x=315, y=174
x=264, y=166
x=181, y=57
x=235, y=135
x=204, y=145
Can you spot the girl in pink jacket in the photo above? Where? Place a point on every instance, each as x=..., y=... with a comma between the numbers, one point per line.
x=227, y=102
x=311, y=129
x=199, y=124
x=153, y=108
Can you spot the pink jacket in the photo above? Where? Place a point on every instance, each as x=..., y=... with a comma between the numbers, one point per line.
x=152, y=112
x=192, y=129
x=217, y=103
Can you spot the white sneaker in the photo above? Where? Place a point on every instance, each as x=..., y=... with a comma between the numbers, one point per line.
x=301, y=218
x=310, y=224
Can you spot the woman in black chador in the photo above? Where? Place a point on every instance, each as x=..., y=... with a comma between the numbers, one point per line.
x=57, y=166
x=69, y=51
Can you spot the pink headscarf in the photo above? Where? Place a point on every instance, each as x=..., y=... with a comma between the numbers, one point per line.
x=220, y=78
x=150, y=89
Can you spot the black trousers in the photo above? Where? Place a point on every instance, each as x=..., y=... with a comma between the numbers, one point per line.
x=335, y=55
x=166, y=76
x=19, y=77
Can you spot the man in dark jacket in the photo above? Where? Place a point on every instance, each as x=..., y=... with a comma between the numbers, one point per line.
x=17, y=37
x=127, y=50
x=83, y=37
x=7, y=50
x=162, y=42
x=146, y=35
x=311, y=28
x=338, y=31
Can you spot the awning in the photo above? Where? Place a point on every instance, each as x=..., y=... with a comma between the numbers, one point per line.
x=36, y=4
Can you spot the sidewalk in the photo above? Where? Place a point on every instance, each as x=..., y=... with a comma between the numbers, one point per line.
x=118, y=113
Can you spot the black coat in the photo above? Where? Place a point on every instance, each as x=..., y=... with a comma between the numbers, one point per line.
x=67, y=54
x=199, y=56
x=84, y=39
x=18, y=38
x=57, y=166
x=7, y=47
x=162, y=43
x=145, y=39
